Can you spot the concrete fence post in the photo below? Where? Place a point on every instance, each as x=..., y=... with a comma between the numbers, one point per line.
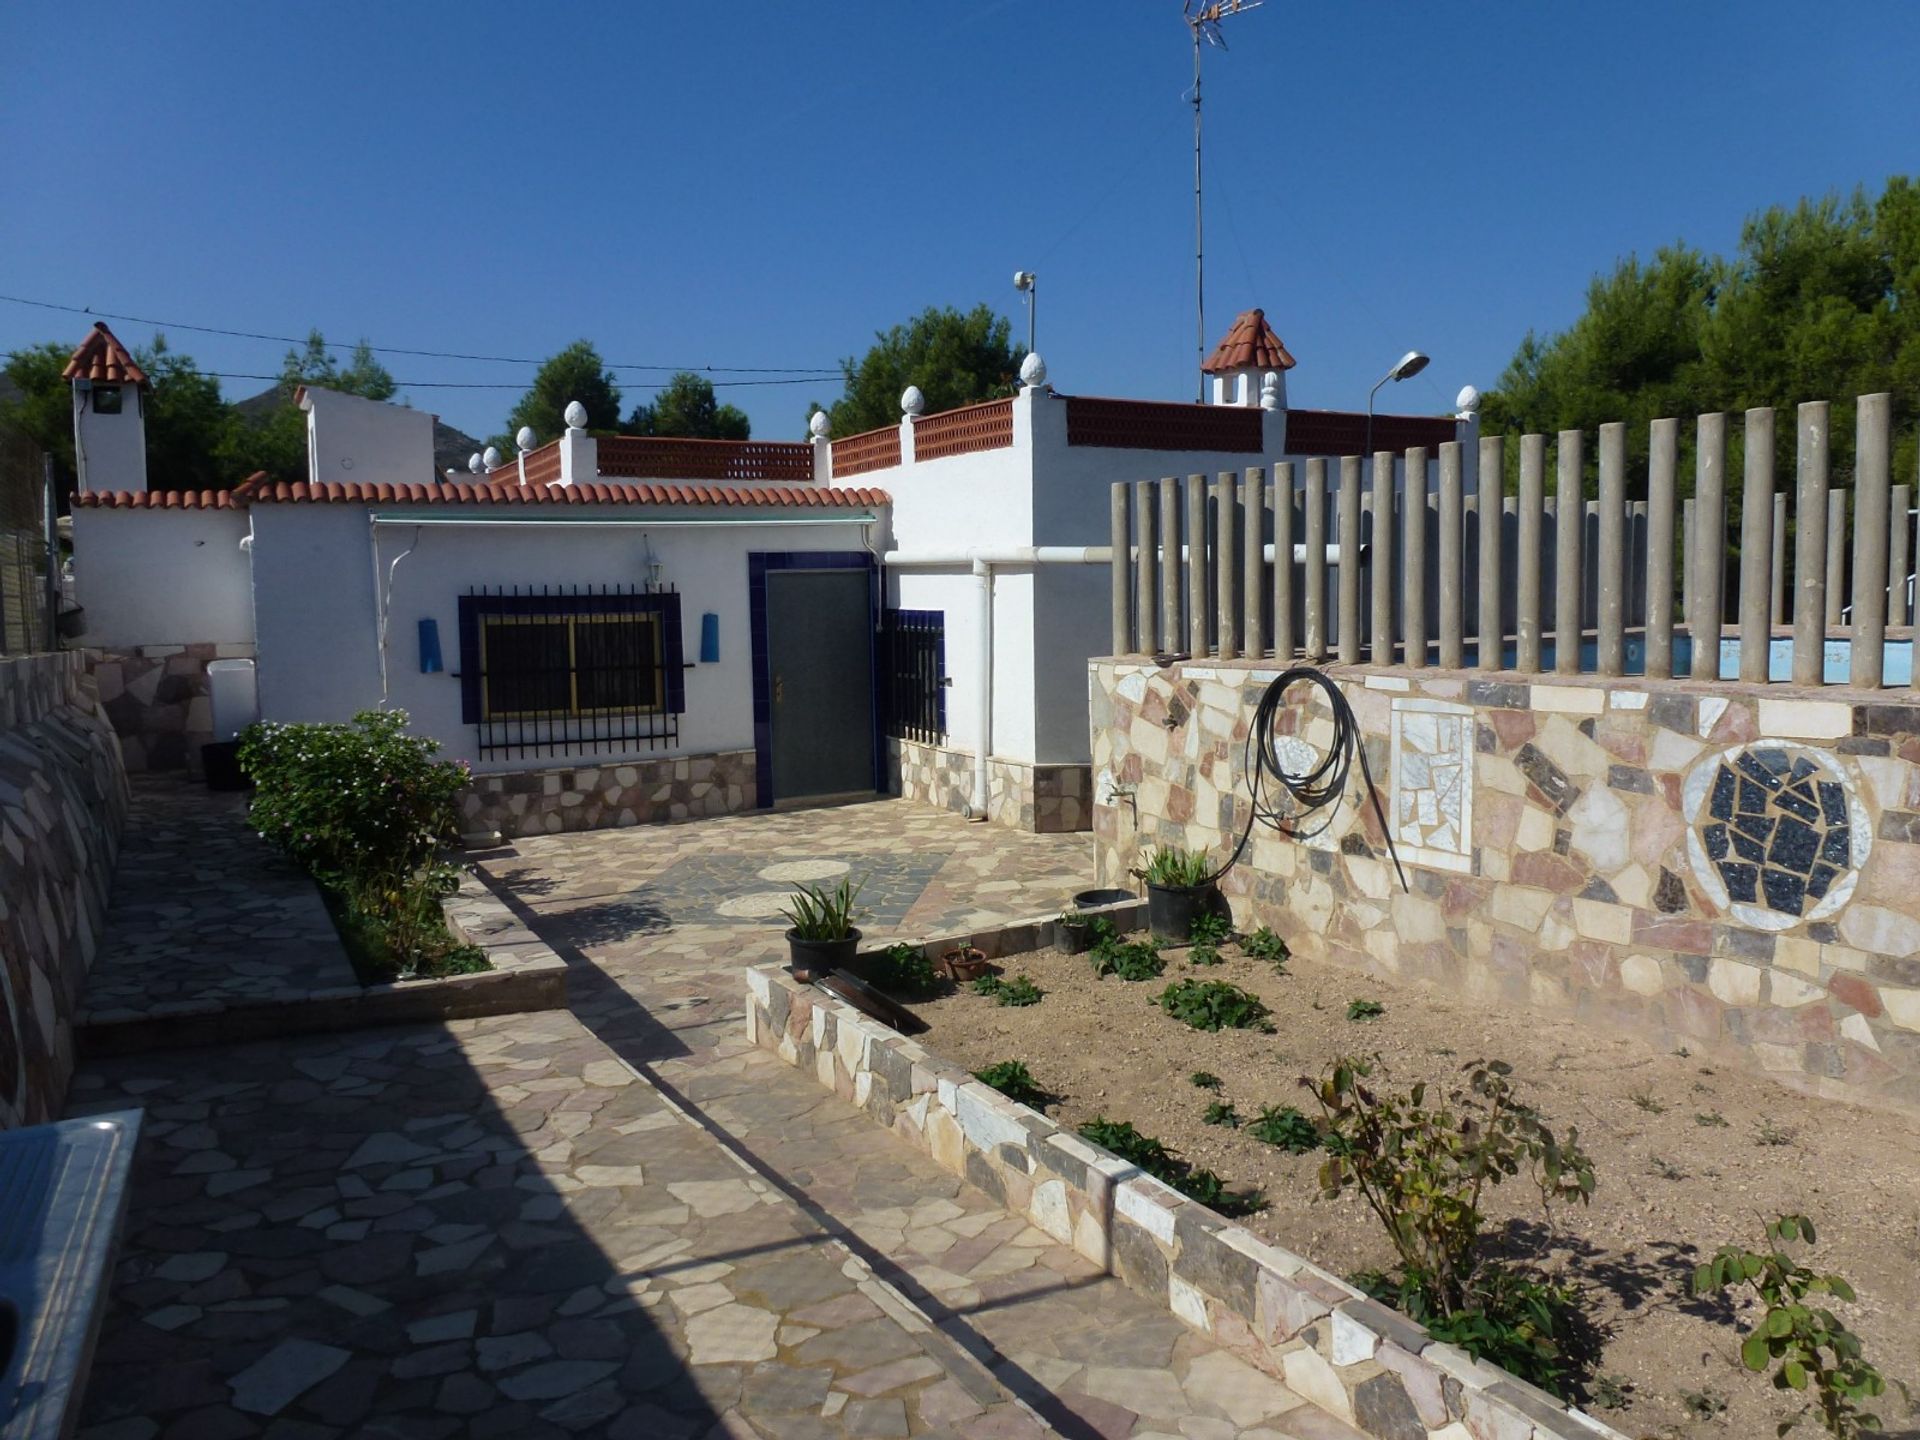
x=1526, y=593
x=1899, y=537
x=1380, y=571
x=1491, y=483
x=1568, y=523
x=1413, y=559
x=1253, y=538
x=1120, y=568
x=1226, y=574
x=1199, y=594
x=1283, y=623
x=1709, y=563
x=1836, y=555
x=1146, y=555
x=1686, y=562
x=1872, y=472
x=1170, y=562
x=1610, y=591
x=1777, y=612
x=1348, y=635
x=1756, y=547
x=1453, y=574
x=1810, y=544
x=1314, y=597
x=1663, y=458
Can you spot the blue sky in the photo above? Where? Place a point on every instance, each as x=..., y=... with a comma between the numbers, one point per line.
x=760, y=184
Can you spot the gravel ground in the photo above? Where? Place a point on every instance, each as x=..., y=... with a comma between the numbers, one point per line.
x=1688, y=1156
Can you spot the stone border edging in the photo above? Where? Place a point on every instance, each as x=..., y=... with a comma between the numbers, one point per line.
x=1352, y=1357
x=526, y=975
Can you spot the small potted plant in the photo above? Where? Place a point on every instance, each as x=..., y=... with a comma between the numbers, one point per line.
x=1180, y=887
x=822, y=937
x=964, y=963
x=1073, y=933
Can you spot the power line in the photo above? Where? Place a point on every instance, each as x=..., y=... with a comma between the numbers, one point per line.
x=808, y=371
x=465, y=384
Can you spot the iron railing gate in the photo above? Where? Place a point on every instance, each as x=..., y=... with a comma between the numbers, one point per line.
x=913, y=680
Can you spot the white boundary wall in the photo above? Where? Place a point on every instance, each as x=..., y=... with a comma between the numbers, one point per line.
x=162, y=577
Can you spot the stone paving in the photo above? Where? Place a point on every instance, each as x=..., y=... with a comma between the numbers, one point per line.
x=623, y=1221
x=204, y=911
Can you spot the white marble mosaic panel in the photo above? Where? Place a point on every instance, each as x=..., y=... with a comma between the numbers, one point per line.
x=1432, y=783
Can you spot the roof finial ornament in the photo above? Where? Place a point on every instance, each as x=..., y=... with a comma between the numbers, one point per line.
x=491, y=458
x=819, y=426
x=1270, y=390
x=475, y=464
x=912, y=402
x=526, y=440
x=576, y=415
x=1033, y=371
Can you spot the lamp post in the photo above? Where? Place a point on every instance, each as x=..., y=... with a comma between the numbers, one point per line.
x=1025, y=282
x=1411, y=363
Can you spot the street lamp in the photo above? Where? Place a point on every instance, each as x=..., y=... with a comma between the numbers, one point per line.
x=1411, y=363
x=1023, y=281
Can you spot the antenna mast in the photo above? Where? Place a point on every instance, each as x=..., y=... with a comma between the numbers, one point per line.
x=1204, y=21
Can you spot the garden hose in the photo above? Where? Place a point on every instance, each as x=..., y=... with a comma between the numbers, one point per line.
x=1320, y=788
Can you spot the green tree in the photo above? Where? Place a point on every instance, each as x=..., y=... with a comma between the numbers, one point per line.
x=190, y=429
x=576, y=373
x=43, y=410
x=955, y=359
x=685, y=405
x=314, y=365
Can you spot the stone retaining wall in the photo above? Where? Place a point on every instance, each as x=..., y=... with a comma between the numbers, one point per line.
x=156, y=697
x=1042, y=799
x=1732, y=868
x=600, y=797
x=1353, y=1358
x=63, y=800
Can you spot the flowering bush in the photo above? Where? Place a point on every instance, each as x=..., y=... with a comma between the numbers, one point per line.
x=366, y=810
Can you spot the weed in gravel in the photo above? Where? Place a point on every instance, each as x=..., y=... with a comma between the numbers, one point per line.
x=1285, y=1128
x=1665, y=1169
x=1150, y=1155
x=1713, y=1119
x=903, y=970
x=1649, y=1102
x=1019, y=991
x=1203, y=955
x=1263, y=944
x=1138, y=961
x=1204, y=1080
x=1013, y=1080
x=1612, y=1392
x=1221, y=1112
x=1210, y=930
x=1768, y=1133
x=1365, y=1009
x=1704, y=1404
x=1213, y=1005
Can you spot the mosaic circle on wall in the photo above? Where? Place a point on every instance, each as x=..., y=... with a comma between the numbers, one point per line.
x=1778, y=832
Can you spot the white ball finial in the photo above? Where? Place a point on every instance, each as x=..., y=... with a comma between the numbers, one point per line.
x=1270, y=390
x=1033, y=371
x=526, y=439
x=576, y=415
x=491, y=458
x=1467, y=401
x=819, y=426
x=475, y=464
x=912, y=402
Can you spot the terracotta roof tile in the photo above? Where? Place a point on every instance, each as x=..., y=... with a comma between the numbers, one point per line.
x=104, y=360
x=351, y=492
x=156, y=500
x=1250, y=343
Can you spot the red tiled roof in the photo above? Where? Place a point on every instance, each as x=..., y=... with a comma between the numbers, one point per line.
x=1344, y=432
x=352, y=492
x=104, y=360
x=1250, y=343
x=156, y=500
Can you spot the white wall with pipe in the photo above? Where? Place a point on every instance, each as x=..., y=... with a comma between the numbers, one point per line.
x=162, y=577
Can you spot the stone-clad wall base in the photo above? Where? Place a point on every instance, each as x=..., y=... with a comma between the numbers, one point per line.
x=1558, y=841
x=157, y=698
x=1042, y=799
x=63, y=801
x=1364, y=1364
x=601, y=797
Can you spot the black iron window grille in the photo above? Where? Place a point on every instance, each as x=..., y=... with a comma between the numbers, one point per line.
x=913, y=656
x=560, y=670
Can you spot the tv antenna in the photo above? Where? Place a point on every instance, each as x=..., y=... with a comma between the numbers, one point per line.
x=1204, y=20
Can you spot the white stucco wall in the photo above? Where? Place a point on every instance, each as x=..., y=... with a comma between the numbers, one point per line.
x=110, y=451
x=162, y=577
x=351, y=438
x=314, y=594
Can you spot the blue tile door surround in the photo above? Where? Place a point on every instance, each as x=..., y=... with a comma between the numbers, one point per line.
x=758, y=564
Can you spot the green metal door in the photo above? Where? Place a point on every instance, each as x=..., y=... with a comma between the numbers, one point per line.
x=820, y=673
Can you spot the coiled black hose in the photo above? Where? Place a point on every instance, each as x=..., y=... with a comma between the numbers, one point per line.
x=1320, y=788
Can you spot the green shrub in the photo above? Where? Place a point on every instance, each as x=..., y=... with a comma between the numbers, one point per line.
x=1421, y=1170
x=1019, y=991
x=903, y=970
x=1204, y=1080
x=1263, y=944
x=1203, y=955
x=1210, y=930
x=1221, y=1112
x=1138, y=961
x=820, y=914
x=1127, y=1143
x=1285, y=1128
x=1809, y=1347
x=1365, y=1009
x=1013, y=1080
x=1176, y=869
x=1213, y=1005
x=368, y=812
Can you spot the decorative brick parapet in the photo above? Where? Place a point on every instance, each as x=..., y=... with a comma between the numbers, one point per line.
x=601, y=797
x=1364, y=1364
x=1041, y=799
x=63, y=802
x=1732, y=868
x=157, y=698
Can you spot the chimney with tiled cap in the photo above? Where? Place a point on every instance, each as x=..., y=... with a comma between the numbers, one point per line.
x=1242, y=360
x=109, y=414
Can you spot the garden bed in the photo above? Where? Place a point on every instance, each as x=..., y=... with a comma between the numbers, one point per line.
x=1688, y=1157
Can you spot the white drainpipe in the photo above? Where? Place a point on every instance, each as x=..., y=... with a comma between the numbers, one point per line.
x=982, y=562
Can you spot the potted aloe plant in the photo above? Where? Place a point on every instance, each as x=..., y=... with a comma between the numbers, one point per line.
x=822, y=937
x=1180, y=886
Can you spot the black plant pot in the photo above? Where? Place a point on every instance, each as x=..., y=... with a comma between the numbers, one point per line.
x=810, y=958
x=1072, y=939
x=1172, y=909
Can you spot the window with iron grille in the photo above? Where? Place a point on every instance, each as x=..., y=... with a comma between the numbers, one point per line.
x=584, y=668
x=913, y=657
